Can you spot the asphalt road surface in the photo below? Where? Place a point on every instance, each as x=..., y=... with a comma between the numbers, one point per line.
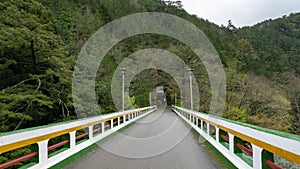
x=158, y=141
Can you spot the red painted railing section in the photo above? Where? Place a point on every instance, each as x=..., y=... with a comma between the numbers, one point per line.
x=18, y=160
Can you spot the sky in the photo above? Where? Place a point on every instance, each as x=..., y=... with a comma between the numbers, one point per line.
x=240, y=12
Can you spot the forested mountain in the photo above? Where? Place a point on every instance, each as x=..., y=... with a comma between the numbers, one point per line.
x=40, y=40
x=276, y=43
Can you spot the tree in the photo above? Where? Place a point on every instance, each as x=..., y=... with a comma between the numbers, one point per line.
x=28, y=43
x=296, y=112
x=231, y=27
x=34, y=65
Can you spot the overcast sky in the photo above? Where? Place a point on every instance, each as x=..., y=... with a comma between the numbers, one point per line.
x=241, y=12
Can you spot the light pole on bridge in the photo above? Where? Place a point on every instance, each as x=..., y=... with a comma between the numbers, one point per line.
x=175, y=99
x=191, y=86
x=123, y=70
x=150, y=99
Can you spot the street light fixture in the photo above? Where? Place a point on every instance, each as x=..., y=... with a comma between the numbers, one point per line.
x=191, y=86
x=123, y=70
x=175, y=99
x=150, y=98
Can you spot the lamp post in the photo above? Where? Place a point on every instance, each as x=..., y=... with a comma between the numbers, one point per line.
x=150, y=99
x=175, y=99
x=191, y=86
x=123, y=70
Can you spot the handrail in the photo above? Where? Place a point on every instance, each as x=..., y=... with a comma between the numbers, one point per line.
x=264, y=142
x=41, y=135
x=52, y=147
x=31, y=137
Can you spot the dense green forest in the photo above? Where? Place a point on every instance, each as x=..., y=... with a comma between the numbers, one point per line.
x=40, y=40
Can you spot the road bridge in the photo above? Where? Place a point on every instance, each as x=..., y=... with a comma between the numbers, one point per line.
x=151, y=138
x=186, y=153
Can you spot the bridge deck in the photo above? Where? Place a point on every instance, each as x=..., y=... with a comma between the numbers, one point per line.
x=158, y=141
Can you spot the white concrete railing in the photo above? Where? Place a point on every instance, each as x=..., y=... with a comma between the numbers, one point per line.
x=229, y=138
x=41, y=135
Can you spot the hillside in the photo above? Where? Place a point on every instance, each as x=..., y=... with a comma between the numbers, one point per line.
x=41, y=39
x=277, y=44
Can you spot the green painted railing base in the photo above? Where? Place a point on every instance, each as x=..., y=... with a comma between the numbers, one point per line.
x=246, y=158
x=57, y=152
x=27, y=165
x=213, y=136
x=225, y=144
x=83, y=152
x=81, y=141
